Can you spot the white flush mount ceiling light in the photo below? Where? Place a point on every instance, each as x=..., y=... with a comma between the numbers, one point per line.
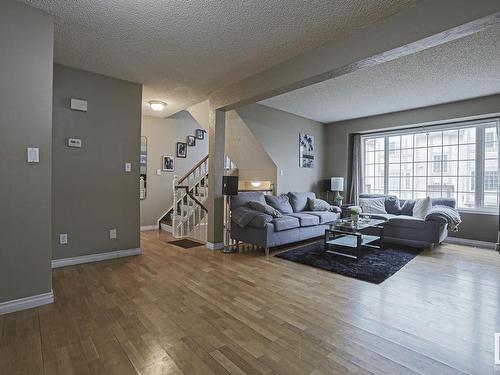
x=157, y=105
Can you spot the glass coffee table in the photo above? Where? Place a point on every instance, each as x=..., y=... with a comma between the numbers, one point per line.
x=346, y=239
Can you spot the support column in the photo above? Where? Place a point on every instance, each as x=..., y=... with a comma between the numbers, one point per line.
x=216, y=151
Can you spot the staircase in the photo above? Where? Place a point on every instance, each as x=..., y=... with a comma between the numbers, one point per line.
x=187, y=217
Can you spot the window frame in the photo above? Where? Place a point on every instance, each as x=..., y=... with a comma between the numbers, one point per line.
x=479, y=174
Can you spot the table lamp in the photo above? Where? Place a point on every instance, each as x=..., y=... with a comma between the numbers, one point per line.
x=337, y=185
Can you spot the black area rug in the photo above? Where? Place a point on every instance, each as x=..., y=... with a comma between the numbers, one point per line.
x=186, y=244
x=374, y=266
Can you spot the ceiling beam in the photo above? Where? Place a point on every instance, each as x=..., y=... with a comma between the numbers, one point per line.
x=428, y=24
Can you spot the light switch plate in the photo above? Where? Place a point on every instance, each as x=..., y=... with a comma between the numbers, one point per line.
x=78, y=105
x=282, y=172
x=112, y=234
x=63, y=238
x=158, y=172
x=33, y=155
x=128, y=167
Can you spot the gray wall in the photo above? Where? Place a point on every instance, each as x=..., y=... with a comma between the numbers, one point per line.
x=480, y=227
x=278, y=133
x=162, y=135
x=91, y=191
x=26, y=45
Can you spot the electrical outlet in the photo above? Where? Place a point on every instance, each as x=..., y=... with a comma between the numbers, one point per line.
x=63, y=238
x=128, y=167
x=74, y=142
x=112, y=234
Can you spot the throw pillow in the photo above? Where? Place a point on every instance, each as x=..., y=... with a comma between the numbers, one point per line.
x=280, y=202
x=407, y=207
x=373, y=205
x=299, y=200
x=318, y=204
x=392, y=205
x=265, y=208
x=422, y=207
x=335, y=209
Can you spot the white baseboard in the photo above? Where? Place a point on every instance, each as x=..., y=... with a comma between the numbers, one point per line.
x=468, y=242
x=166, y=228
x=215, y=246
x=56, y=263
x=148, y=227
x=26, y=303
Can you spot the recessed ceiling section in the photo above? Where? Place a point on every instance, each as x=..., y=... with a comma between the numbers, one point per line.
x=462, y=69
x=181, y=51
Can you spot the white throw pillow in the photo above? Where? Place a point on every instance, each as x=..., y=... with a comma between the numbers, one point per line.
x=422, y=207
x=373, y=205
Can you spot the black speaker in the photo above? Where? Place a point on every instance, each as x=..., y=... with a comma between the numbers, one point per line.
x=230, y=185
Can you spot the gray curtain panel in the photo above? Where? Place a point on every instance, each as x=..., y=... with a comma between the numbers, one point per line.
x=357, y=171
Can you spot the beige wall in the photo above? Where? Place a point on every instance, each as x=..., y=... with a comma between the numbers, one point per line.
x=249, y=155
x=162, y=135
x=475, y=226
x=92, y=193
x=26, y=45
x=278, y=134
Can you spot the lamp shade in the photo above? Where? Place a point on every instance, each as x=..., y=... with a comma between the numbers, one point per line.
x=230, y=185
x=337, y=184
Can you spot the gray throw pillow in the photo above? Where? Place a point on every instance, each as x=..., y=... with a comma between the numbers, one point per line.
x=318, y=204
x=392, y=205
x=407, y=207
x=280, y=202
x=335, y=209
x=298, y=200
x=265, y=208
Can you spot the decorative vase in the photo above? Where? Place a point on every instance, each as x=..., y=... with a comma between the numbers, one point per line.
x=355, y=218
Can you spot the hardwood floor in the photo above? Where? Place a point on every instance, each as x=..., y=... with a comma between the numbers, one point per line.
x=176, y=311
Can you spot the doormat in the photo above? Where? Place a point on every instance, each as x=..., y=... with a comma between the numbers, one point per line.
x=186, y=244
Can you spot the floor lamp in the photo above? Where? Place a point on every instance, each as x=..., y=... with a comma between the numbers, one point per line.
x=229, y=188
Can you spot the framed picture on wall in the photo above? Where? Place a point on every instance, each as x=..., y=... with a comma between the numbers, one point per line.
x=167, y=163
x=306, y=151
x=181, y=149
x=200, y=134
x=191, y=140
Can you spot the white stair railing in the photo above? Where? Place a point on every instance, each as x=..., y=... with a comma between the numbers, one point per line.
x=189, y=214
x=189, y=193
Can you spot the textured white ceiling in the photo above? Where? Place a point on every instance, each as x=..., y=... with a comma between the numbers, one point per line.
x=181, y=50
x=463, y=69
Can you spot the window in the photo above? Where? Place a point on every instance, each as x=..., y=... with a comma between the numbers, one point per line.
x=374, y=165
x=459, y=162
x=490, y=187
x=440, y=164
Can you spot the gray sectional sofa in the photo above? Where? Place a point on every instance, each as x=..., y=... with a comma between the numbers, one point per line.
x=296, y=224
x=402, y=228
